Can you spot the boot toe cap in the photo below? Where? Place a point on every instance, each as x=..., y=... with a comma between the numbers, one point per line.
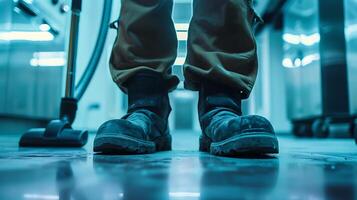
x=256, y=123
x=121, y=127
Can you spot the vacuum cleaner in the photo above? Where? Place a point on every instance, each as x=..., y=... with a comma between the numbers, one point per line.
x=59, y=133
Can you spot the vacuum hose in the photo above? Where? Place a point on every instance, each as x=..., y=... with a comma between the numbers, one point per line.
x=87, y=76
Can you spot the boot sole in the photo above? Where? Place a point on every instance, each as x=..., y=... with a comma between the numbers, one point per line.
x=256, y=143
x=123, y=144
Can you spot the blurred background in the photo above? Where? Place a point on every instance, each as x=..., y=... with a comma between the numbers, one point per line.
x=307, y=74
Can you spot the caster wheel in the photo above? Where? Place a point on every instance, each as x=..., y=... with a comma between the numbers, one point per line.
x=320, y=128
x=355, y=131
x=302, y=129
x=352, y=130
x=297, y=129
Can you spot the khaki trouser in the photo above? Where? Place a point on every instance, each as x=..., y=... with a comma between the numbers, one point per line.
x=221, y=44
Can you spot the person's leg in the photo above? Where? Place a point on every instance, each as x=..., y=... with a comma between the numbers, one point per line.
x=222, y=65
x=221, y=45
x=140, y=64
x=146, y=41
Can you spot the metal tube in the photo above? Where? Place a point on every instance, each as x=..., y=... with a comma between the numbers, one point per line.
x=72, y=50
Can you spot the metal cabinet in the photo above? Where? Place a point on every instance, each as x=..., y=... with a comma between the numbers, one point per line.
x=351, y=44
x=5, y=26
x=320, y=80
x=301, y=59
x=32, y=58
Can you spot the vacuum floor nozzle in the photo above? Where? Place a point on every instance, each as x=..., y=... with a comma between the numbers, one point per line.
x=56, y=134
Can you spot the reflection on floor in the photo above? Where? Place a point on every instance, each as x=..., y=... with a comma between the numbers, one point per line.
x=305, y=169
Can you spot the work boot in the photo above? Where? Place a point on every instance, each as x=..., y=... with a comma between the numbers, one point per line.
x=144, y=129
x=225, y=132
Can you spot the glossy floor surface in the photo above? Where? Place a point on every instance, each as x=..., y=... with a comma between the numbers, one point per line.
x=305, y=169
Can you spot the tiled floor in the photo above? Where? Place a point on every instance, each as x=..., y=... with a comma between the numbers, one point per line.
x=305, y=169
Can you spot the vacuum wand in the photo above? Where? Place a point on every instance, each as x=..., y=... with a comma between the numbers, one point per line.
x=72, y=49
x=59, y=133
